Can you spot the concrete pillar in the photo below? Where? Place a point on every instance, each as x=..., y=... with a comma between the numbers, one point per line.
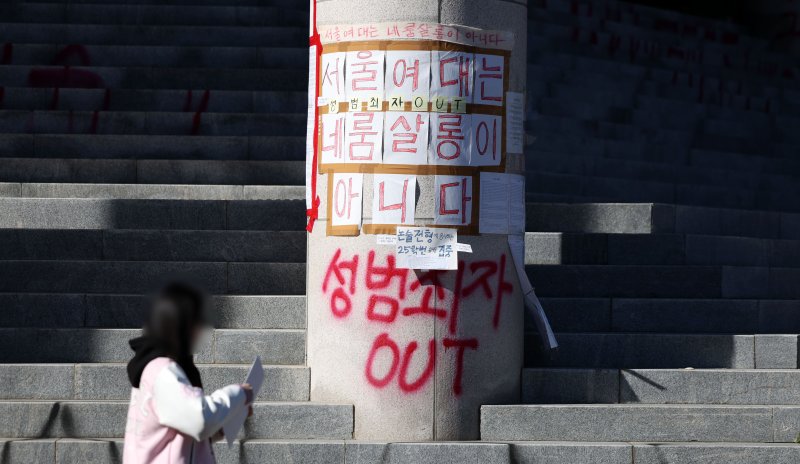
x=434, y=346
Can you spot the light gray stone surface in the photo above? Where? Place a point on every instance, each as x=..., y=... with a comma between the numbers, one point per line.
x=91, y=419
x=627, y=423
x=556, y=248
x=567, y=386
x=70, y=451
x=226, y=311
x=716, y=453
x=362, y=452
x=571, y=453
x=110, y=381
x=776, y=351
x=73, y=213
x=27, y=451
x=598, y=218
x=222, y=246
x=36, y=381
x=702, y=386
x=133, y=191
x=786, y=424
x=290, y=451
x=300, y=420
x=266, y=278
x=274, y=346
x=260, y=312
x=620, y=350
x=78, y=345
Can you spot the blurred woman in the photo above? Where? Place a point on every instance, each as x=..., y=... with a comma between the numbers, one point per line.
x=170, y=420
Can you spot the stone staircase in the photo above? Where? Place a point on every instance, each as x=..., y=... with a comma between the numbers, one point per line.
x=142, y=140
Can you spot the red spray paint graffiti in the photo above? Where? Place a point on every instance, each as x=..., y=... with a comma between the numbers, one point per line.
x=387, y=291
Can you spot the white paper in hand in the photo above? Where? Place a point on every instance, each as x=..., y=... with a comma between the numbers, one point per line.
x=234, y=424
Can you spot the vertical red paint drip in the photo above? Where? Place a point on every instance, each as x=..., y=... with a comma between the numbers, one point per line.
x=313, y=212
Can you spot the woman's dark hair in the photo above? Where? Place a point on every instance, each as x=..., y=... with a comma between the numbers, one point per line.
x=177, y=311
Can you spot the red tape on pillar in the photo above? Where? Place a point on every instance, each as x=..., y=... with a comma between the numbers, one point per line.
x=313, y=212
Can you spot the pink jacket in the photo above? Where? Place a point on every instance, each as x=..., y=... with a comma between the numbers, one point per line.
x=170, y=421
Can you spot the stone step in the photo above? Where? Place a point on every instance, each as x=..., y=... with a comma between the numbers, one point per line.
x=144, y=276
x=68, y=450
x=119, y=171
x=640, y=423
x=74, y=310
x=665, y=351
x=615, y=189
x=152, y=123
x=81, y=213
x=152, y=191
x=155, y=78
x=645, y=218
x=646, y=281
x=670, y=315
x=660, y=386
x=93, y=34
x=110, y=381
x=664, y=249
x=78, y=419
x=223, y=346
x=170, y=56
x=611, y=218
x=162, y=245
x=170, y=15
x=277, y=148
x=169, y=100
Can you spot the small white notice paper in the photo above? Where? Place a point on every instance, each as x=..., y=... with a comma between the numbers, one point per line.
x=515, y=122
x=427, y=248
x=255, y=378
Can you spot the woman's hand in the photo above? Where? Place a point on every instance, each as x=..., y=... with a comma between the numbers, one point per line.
x=248, y=393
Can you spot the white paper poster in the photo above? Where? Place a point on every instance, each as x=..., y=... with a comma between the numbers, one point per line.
x=489, y=72
x=332, y=146
x=332, y=76
x=450, y=139
x=493, y=204
x=502, y=203
x=487, y=140
x=405, y=138
x=364, y=137
x=393, y=198
x=516, y=243
x=311, y=120
x=515, y=122
x=426, y=248
x=346, y=199
x=408, y=74
x=364, y=77
x=516, y=204
x=452, y=74
x=453, y=196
